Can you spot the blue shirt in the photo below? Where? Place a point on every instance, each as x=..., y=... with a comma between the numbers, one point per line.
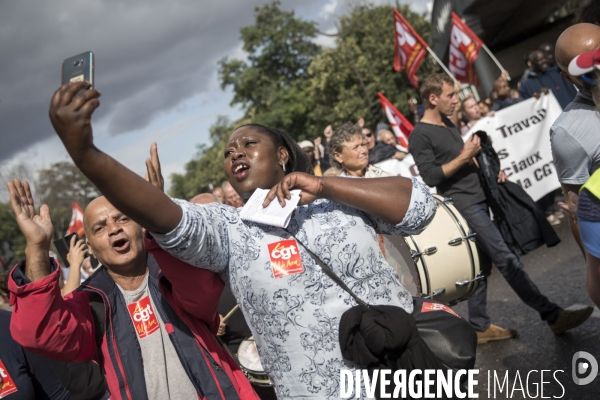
x=551, y=79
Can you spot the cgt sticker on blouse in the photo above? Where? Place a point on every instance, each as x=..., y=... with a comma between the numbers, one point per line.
x=7, y=385
x=428, y=307
x=285, y=258
x=143, y=317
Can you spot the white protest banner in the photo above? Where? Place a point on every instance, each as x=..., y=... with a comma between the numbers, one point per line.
x=406, y=168
x=521, y=136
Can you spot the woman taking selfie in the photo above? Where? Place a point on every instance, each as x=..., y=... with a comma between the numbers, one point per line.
x=291, y=306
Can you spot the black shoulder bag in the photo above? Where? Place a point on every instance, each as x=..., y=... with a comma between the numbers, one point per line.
x=433, y=330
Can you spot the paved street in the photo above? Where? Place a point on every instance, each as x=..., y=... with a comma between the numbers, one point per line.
x=559, y=272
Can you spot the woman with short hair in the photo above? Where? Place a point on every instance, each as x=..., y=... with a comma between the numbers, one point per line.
x=349, y=153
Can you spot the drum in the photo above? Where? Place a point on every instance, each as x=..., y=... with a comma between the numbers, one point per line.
x=442, y=262
x=249, y=361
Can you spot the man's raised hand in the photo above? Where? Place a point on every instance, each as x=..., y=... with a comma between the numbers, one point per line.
x=37, y=229
x=71, y=110
x=153, y=172
x=472, y=147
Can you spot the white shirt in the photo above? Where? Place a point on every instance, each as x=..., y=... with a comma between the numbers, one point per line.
x=295, y=318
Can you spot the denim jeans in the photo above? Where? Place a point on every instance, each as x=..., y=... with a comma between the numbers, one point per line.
x=490, y=242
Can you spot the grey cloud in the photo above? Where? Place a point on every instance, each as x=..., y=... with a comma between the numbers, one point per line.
x=150, y=55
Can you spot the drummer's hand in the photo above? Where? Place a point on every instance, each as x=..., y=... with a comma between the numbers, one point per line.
x=502, y=177
x=222, y=326
x=309, y=185
x=71, y=116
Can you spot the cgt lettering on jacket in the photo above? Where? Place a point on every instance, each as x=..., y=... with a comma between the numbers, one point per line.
x=509, y=130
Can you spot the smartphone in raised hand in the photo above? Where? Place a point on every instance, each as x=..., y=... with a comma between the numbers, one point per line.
x=79, y=68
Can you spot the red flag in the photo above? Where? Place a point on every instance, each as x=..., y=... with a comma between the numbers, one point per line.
x=464, y=50
x=409, y=48
x=400, y=125
x=76, y=224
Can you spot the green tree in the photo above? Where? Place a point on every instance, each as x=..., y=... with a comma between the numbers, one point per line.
x=59, y=186
x=365, y=48
x=288, y=82
x=272, y=85
x=206, y=167
x=12, y=242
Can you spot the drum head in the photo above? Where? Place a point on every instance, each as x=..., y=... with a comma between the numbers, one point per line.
x=446, y=256
x=397, y=254
x=248, y=356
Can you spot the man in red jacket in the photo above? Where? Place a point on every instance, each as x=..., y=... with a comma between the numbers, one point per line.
x=152, y=340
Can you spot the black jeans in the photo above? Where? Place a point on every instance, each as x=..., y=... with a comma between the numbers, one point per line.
x=490, y=241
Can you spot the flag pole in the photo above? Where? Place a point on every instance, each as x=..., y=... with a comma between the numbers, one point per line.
x=441, y=63
x=495, y=60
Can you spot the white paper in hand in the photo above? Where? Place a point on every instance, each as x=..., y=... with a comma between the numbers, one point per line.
x=273, y=214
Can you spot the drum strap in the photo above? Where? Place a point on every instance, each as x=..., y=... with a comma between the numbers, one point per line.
x=330, y=273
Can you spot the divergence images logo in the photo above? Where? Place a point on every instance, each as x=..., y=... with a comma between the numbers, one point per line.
x=584, y=363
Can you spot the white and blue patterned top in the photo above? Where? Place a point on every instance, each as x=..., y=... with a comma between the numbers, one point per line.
x=295, y=318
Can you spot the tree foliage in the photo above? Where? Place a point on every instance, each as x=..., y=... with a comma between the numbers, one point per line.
x=206, y=167
x=288, y=82
x=12, y=242
x=365, y=48
x=272, y=85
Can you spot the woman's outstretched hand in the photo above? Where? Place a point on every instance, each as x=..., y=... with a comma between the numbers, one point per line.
x=71, y=110
x=309, y=185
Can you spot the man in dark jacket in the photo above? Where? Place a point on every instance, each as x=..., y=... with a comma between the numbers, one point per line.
x=543, y=75
x=152, y=341
x=446, y=162
x=24, y=375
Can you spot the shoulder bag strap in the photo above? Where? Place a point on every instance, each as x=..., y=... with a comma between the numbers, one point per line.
x=330, y=273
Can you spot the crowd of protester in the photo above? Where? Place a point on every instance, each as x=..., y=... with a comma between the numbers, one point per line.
x=148, y=320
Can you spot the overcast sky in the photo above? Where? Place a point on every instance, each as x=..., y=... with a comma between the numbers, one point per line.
x=155, y=64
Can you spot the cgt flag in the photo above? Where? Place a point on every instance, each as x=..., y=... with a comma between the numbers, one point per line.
x=464, y=50
x=409, y=48
x=400, y=125
x=76, y=224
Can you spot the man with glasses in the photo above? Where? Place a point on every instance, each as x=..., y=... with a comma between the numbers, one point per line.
x=574, y=136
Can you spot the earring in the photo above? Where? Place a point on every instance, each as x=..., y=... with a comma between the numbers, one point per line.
x=283, y=165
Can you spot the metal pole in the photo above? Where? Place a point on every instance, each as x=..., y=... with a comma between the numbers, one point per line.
x=441, y=63
x=494, y=59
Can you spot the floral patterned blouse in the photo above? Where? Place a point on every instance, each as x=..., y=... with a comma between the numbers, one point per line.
x=291, y=306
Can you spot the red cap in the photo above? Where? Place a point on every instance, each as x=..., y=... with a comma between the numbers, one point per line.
x=584, y=63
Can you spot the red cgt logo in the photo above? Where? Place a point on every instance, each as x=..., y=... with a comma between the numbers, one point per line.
x=428, y=307
x=7, y=385
x=285, y=258
x=143, y=317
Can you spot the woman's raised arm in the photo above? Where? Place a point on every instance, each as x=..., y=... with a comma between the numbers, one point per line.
x=386, y=198
x=71, y=112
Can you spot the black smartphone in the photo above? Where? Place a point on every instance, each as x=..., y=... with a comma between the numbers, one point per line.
x=79, y=68
x=62, y=248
